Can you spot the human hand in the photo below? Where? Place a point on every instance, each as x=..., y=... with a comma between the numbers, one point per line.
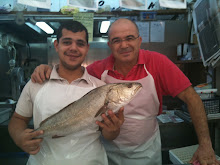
x=111, y=124
x=26, y=142
x=41, y=73
x=204, y=156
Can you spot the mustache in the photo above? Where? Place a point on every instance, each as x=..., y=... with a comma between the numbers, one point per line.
x=72, y=53
x=125, y=50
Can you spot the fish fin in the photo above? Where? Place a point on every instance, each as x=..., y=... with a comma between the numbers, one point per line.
x=103, y=109
x=56, y=136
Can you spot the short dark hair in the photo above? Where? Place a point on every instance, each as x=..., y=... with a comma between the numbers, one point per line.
x=73, y=26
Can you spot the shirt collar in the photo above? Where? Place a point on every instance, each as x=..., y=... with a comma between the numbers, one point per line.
x=85, y=77
x=111, y=60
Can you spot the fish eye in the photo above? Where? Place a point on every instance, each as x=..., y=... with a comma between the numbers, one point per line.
x=129, y=85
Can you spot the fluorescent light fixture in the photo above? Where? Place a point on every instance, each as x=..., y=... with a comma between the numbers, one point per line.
x=45, y=27
x=104, y=26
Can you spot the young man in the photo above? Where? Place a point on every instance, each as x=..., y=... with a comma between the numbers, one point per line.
x=69, y=81
x=139, y=139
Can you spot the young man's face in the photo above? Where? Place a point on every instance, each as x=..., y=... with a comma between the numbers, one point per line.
x=72, y=49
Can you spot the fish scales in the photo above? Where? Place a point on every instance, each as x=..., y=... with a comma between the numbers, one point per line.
x=81, y=113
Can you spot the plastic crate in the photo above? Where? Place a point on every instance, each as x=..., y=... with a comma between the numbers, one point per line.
x=183, y=155
x=212, y=106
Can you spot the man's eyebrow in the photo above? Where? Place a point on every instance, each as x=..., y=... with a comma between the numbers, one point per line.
x=125, y=37
x=80, y=40
x=70, y=39
x=115, y=38
x=63, y=39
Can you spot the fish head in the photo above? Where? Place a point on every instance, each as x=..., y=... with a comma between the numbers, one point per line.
x=121, y=94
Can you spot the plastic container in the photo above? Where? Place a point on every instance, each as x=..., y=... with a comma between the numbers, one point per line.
x=183, y=155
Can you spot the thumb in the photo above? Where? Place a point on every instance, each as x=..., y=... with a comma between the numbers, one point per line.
x=121, y=114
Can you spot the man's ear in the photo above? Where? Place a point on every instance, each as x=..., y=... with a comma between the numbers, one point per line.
x=55, y=43
x=108, y=44
x=87, y=48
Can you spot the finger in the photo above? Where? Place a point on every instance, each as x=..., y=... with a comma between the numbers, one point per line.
x=193, y=159
x=121, y=115
x=34, y=152
x=114, y=118
x=106, y=120
x=33, y=79
x=37, y=77
x=48, y=72
x=35, y=134
x=42, y=74
x=100, y=124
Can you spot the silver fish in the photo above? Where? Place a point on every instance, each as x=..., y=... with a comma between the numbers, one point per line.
x=81, y=113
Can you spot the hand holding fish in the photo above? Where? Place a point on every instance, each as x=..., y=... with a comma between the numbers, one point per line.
x=27, y=142
x=111, y=124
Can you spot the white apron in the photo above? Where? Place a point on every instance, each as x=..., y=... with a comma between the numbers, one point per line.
x=83, y=147
x=139, y=139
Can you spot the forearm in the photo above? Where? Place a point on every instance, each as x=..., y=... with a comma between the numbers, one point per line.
x=197, y=113
x=199, y=119
x=16, y=127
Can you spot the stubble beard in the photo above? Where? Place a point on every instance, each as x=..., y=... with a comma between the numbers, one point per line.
x=70, y=67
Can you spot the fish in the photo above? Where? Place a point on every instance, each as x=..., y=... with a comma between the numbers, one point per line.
x=81, y=113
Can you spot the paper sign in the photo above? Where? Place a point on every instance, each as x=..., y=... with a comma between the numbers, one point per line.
x=143, y=30
x=85, y=4
x=36, y=3
x=157, y=30
x=177, y=4
x=87, y=20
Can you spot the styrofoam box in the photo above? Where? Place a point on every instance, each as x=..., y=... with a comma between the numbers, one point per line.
x=183, y=155
x=207, y=93
x=5, y=114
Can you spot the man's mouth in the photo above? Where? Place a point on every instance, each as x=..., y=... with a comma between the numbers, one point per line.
x=125, y=52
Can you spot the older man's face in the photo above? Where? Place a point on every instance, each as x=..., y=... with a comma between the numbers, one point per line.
x=124, y=41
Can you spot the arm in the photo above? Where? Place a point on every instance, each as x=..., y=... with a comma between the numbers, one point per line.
x=22, y=136
x=205, y=153
x=41, y=73
x=111, y=125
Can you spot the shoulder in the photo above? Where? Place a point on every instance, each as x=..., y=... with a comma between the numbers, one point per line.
x=155, y=62
x=31, y=89
x=25, y=102
x=152, y=56
x=96, y=81
x=98, y=67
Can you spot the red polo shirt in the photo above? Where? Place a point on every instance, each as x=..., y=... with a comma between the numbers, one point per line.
x=168, y=78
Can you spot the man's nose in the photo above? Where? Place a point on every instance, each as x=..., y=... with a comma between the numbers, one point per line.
x=73, y=46
x=124, y=43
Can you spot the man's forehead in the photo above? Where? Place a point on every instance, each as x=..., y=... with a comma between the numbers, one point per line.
x=122, y=29
x=69, y=35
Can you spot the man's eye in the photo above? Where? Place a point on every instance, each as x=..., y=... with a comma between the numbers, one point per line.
x=130, y=39
x=81, y=44
x=66, y=42
x=116, y=41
